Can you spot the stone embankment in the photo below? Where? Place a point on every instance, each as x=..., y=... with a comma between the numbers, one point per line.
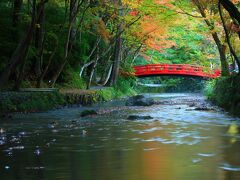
x=35, y=100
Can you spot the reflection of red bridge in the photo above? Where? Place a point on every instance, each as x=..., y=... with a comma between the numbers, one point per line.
x=175, y=70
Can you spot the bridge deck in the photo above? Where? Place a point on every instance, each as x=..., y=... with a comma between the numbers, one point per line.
x=175, y=70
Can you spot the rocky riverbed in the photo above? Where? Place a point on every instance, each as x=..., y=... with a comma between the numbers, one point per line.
x=173, y=139
x=141, y=102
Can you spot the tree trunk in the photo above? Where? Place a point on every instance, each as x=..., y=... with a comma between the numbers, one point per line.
x=19, y=55
x=93, y=69
x=17, y=6
x=222, y=53
x=136, y=53
x=220, y=46
x=105, y=75
x=227, y=35
x=91, y=75
x=90, y=55
x=232, y=9
x=74, y=10
x=20, y=77
x=40, y=80
x=72, y=19
x=39, y=40
x=117, y=59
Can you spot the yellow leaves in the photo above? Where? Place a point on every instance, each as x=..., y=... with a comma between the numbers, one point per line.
x=133, y=4
x=102, y=30
x=235, y=42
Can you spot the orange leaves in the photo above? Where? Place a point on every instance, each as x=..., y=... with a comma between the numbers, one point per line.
x=151, y=30
x=163, y=2
x=102, y=30
x=234, y=27
x=235, y=1
x=154, y=34
x=134, y=13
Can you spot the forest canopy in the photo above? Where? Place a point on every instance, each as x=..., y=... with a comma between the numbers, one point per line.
x=77, y=43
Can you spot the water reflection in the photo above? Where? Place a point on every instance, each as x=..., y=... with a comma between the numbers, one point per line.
x=231, y=155
x=176, y=144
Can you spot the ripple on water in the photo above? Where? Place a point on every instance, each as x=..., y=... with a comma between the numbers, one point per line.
x=35, y=168
x=158, y=139
x=196, y=160
x=150, y=149
x=126, y=149
x=190, y=143
x=201, y=137
x=228, y=167
x=178, y=141
x=17, y=148
x=148, y=130
x=206, y=154
x=2, y=142
x=104, y=138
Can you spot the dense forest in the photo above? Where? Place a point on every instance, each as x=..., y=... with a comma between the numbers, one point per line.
x=77, y=43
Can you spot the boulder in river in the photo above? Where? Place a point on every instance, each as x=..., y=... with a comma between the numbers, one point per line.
x=204, y=108
x=88, y=112
x=140, y=100
x=138, y=117
x=6, y=116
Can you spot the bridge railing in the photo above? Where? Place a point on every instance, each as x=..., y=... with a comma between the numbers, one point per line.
x=175, y=69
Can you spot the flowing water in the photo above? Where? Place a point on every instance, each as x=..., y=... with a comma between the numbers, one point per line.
x=179, y=143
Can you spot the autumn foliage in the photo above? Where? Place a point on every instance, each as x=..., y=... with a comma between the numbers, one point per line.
x=151, y=31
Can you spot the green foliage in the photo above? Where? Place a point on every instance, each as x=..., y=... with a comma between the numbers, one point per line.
x=209, y=88
x=140, y=60
x=174, y=84
x=107, y=94
x=191, y=47
x=124, y=87
x=72, y=80
x=183, y=84
x=225, y=93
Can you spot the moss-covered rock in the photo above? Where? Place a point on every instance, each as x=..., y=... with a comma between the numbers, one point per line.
x=29, y=101
x=140, y=100
x=88, y=112
x=138, y=117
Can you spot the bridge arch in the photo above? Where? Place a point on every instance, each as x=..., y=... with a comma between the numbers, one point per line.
x=175, y=70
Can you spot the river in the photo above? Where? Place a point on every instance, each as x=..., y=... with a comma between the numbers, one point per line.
x=179, y=143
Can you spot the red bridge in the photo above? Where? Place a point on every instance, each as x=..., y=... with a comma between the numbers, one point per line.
x=175, y=70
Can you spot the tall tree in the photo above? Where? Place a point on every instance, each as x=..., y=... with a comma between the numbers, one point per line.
x=221, y=46
x=232, y=51
x=39, y=40
x=17, y=6
x=117, y=56
x=232, y=9
x=75, y=7
x=19, y=56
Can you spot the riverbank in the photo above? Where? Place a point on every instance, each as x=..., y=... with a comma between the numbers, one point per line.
x=225, y=92
x=35, y=101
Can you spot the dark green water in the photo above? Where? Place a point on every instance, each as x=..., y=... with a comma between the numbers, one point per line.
x=178, y=144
